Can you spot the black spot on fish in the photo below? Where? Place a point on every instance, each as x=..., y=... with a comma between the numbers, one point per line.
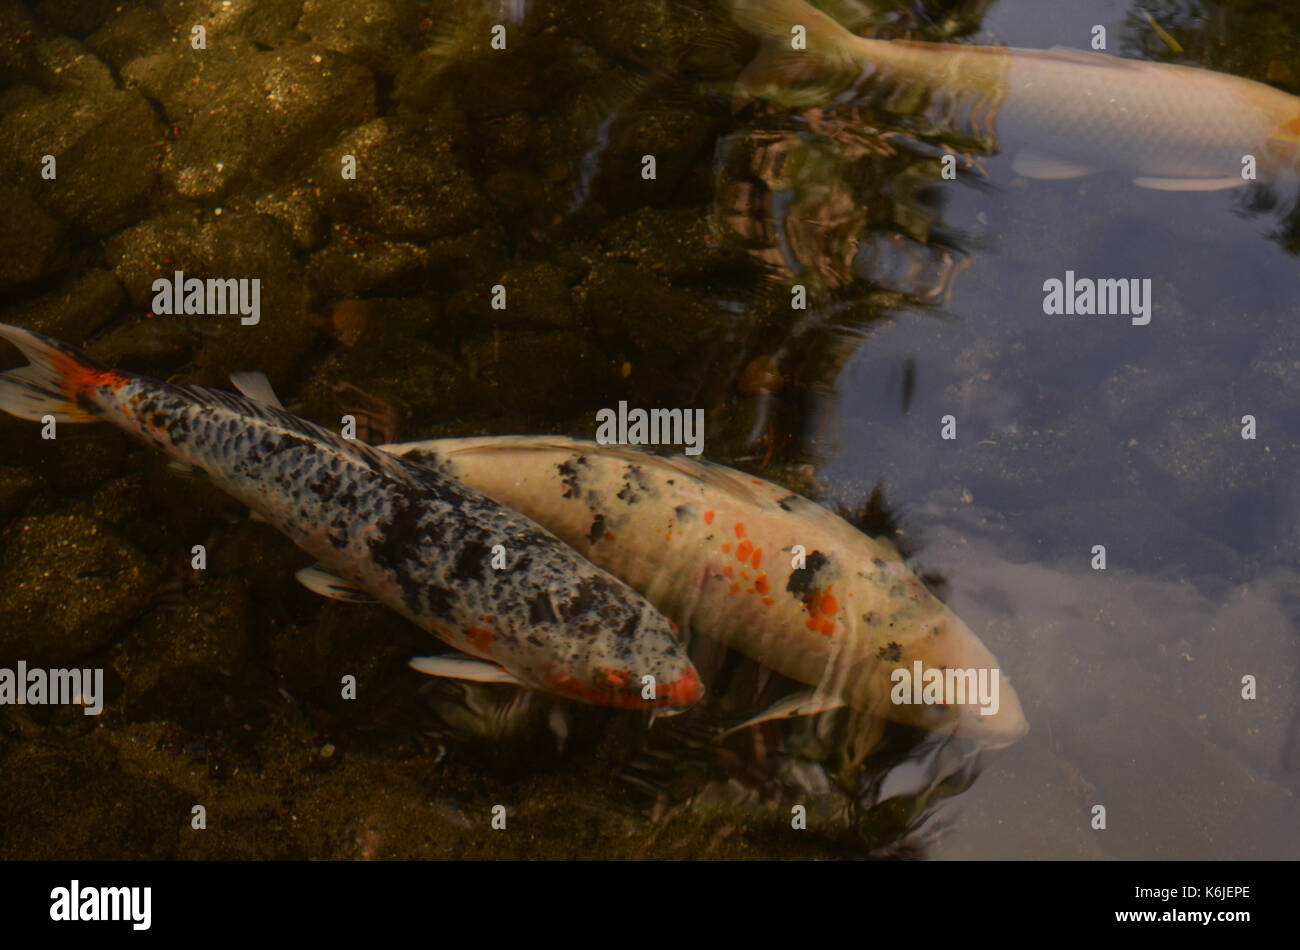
x=440, y=600
x=470, y=561
x=892, y=652
x=804, y=581
x=541, y=611
x=684, y=513
x=786, y=501
x=569, y=475
x=597, y=529
x=634, y=485
x=326, y=485
x=338, y=537
x=582, y=606
x=627, y=633
x=286, y=442
x=392, y=545
x=177, y=427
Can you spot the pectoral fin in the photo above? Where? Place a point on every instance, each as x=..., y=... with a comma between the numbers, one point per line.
x=1190, y=184
x=1046, y=167
x=185, y=470
x=807, y=703
x=450, y=666
x=256, y=387
x=327, y=584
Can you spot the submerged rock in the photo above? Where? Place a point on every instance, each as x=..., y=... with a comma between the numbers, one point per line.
x=409, y=184
x=378, y=33
x=106, y=144
x=67, y=584
x=32, y=244
x=241, y=115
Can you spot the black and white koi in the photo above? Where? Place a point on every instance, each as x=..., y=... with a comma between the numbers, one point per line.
x=389, y=531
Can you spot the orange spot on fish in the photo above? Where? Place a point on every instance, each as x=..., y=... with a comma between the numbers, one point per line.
x=681, y=693
x=761, y=584
x=728, y=572
x=827, y=627
x=616, y=678
x=735, y=588
x=740, y=529
x=726, y=549
x=743, y=550
x=767, y=601
x=481, y=639
x=829, y=605
x=758, y=557
x=708, y=517
x=811, y=623
x=744, y=575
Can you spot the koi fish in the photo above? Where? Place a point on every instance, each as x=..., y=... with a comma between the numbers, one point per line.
x=1071, y=112
x=387, y=531
x=741, y=560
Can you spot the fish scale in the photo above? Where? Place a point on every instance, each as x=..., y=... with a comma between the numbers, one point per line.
x=409, y=537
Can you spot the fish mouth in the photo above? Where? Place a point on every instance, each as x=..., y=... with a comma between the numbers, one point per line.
x=999, y=730
x=680, y=694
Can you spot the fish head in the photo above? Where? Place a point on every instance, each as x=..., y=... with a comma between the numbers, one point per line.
x=991, y=713
x=938, y=676
x=645, y=668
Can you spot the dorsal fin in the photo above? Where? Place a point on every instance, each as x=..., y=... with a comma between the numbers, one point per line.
x=256, y=387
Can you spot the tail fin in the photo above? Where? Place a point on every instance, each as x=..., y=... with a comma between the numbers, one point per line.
x=795, y=76
x=774, y=19
x=51, y=384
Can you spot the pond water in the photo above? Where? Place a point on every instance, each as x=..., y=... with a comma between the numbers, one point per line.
x=524, y=167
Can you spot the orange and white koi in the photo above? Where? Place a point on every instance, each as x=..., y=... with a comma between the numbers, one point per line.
x=741, y=560
x=1069, y=112
x=384, y=530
